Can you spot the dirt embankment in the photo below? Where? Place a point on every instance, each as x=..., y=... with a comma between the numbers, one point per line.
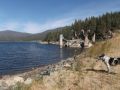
x=85, y=73
x=81, y=72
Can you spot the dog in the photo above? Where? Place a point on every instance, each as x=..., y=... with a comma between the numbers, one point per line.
x=109, y=61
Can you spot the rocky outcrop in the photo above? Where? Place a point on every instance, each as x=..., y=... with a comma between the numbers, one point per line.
x=76, y=43
x=8, y=81
x=28, y=81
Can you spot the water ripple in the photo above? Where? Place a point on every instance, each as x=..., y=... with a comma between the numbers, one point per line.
x=21, y=56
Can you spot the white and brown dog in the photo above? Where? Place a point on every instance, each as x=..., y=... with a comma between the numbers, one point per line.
x=109, y=61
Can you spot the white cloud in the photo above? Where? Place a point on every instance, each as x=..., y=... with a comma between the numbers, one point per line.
x=9, y=26
x=31, y=27
x=35, y=27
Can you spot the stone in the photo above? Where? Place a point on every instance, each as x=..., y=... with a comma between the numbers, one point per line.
x=13, y=80
x=28, y=81
x=18, y=79
x=45, y=72
x=67, y=65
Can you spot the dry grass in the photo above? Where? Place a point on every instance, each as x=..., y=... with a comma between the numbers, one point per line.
x=20, y=86
x=86, y=73
x=110, y=47
x=37, y=85
x=99, y=48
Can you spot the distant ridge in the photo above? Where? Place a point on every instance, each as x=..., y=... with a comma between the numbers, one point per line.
x=9, y=35
x=42, y=35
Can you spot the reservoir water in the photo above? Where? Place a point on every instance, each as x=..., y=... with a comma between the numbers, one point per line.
x=21, y=56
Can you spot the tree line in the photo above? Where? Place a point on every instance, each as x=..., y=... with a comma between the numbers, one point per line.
x=99, y=25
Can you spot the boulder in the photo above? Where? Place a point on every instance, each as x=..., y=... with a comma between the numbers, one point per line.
x=10, y=81
x=66, y=65
x=28, y=81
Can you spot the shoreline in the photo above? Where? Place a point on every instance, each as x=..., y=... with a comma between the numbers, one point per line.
x=14, y=72
x=44, y=67
x=7, y=81
x=28, y=77
x=38, y=69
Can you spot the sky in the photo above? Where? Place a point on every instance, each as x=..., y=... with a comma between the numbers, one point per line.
x=35, y=16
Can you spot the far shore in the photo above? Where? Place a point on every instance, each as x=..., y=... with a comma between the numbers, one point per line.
x=45, y=42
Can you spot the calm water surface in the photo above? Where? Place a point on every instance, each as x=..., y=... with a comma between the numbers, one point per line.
x=21, y=56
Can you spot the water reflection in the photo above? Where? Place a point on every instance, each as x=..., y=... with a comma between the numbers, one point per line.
x=61, y=53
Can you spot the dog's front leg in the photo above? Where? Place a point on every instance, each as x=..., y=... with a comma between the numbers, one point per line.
x=108, y=67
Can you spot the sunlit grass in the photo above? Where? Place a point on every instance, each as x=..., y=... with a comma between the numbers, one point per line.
x=99, y=48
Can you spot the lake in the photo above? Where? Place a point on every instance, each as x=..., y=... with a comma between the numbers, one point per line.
x=21, y=56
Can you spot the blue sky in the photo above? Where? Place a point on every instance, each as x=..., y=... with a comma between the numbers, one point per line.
x=34, y=16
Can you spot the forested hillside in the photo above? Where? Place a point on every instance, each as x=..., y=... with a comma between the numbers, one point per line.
x=99, y=25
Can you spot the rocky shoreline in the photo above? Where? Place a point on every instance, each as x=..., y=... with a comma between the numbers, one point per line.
x=7, y=81
x=80, y=72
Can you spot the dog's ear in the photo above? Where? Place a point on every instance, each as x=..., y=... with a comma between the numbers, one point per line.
x=102, y=55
